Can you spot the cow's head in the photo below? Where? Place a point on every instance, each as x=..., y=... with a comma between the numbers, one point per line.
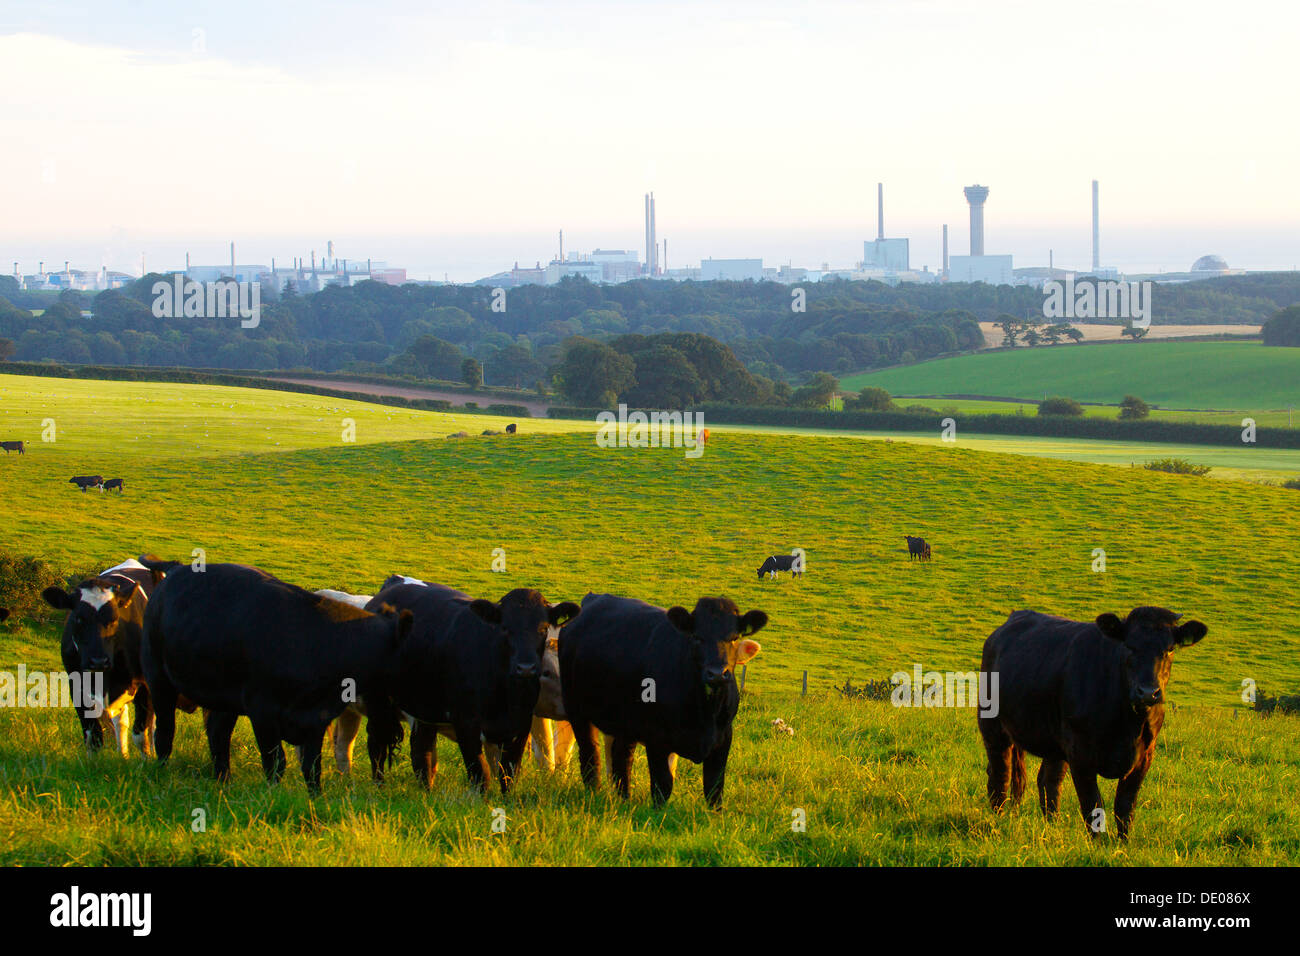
x=95, y=611
x=524, y=620
x=1149, y=636
x=719, y=636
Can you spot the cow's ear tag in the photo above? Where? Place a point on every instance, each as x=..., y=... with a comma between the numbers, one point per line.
x=1111, y=626
x=486, y=610
x=125, y=593
x=681, y=619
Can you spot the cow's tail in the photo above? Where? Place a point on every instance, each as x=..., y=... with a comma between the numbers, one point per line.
x=1017, y=773
x=384, y=732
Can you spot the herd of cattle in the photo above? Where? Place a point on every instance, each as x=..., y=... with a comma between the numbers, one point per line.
x=1087, y=697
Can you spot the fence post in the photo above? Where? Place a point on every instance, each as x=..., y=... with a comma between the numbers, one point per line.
x=804, y=692
x=743, y=668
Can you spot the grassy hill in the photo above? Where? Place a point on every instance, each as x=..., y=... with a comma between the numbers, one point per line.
x=878, y=784
x=1238, y=376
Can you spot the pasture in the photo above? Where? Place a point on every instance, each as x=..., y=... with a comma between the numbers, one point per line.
x=1242, y=377
x=878, y=784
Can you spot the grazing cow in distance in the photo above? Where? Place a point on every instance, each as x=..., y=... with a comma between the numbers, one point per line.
x=511, y=428
x=235, y=640
x=88, y=481
x=476, y=665
x=17, y=446
x=1083, y=696
x=103, y=632
x=781, y=562
x=662, y=678
x=114, y=484
x=917, y=549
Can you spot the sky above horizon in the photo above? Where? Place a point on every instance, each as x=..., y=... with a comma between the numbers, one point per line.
x=457, y=139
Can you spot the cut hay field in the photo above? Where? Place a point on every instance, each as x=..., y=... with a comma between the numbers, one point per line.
x=1236, y=376
x=878, y=784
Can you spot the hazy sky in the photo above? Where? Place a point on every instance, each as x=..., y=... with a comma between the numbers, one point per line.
x=457, y=138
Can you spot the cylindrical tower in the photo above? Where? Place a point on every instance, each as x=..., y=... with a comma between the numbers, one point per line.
x=975, y=195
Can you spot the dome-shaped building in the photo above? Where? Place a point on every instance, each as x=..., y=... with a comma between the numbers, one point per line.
x=1210, y=264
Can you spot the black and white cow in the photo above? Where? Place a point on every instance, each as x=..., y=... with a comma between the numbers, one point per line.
x=236, y=640
x=8, y=446
x=88, y=481
x=103, y=634
x=781, y=562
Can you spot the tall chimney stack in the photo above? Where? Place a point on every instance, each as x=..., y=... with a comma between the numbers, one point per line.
x=649, y=253
x=880, y=210
x=232, y=260
x=945, y=250
x=561, y=245
x=654, y=237
x=975, y=195
x=1096, y=228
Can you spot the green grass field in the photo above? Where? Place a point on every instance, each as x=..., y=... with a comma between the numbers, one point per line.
x=1228, y=376
x=878, y=784
x=972, y=406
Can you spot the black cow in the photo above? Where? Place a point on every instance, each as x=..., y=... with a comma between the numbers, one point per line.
x=659, y=678
x=511, y=428
x=88, y=481
x=114, y=484
x=236, y=640
x=1083, y=696
x=781, y=562
x=476, y=665
x=103, y=633
x=17, y=446
x=917, y=548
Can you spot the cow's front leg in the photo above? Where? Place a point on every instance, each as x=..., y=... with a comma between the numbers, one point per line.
x=1090, y=806
x=512, y=754
x=1126, y=793
x=267, y=733
x=662, y=767
x=309, y=756
x=715, y=771
x=469, y=739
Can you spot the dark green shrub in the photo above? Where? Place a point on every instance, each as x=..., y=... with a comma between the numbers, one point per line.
x=1060, y=405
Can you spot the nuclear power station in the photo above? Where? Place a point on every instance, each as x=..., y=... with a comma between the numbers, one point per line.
x=978, y=267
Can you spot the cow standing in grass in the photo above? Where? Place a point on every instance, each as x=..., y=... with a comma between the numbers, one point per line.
x=103, y=633
x=662, y=678
x=235, y=640
x=1083, y=696
x=8, y=446
x=473, y=667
